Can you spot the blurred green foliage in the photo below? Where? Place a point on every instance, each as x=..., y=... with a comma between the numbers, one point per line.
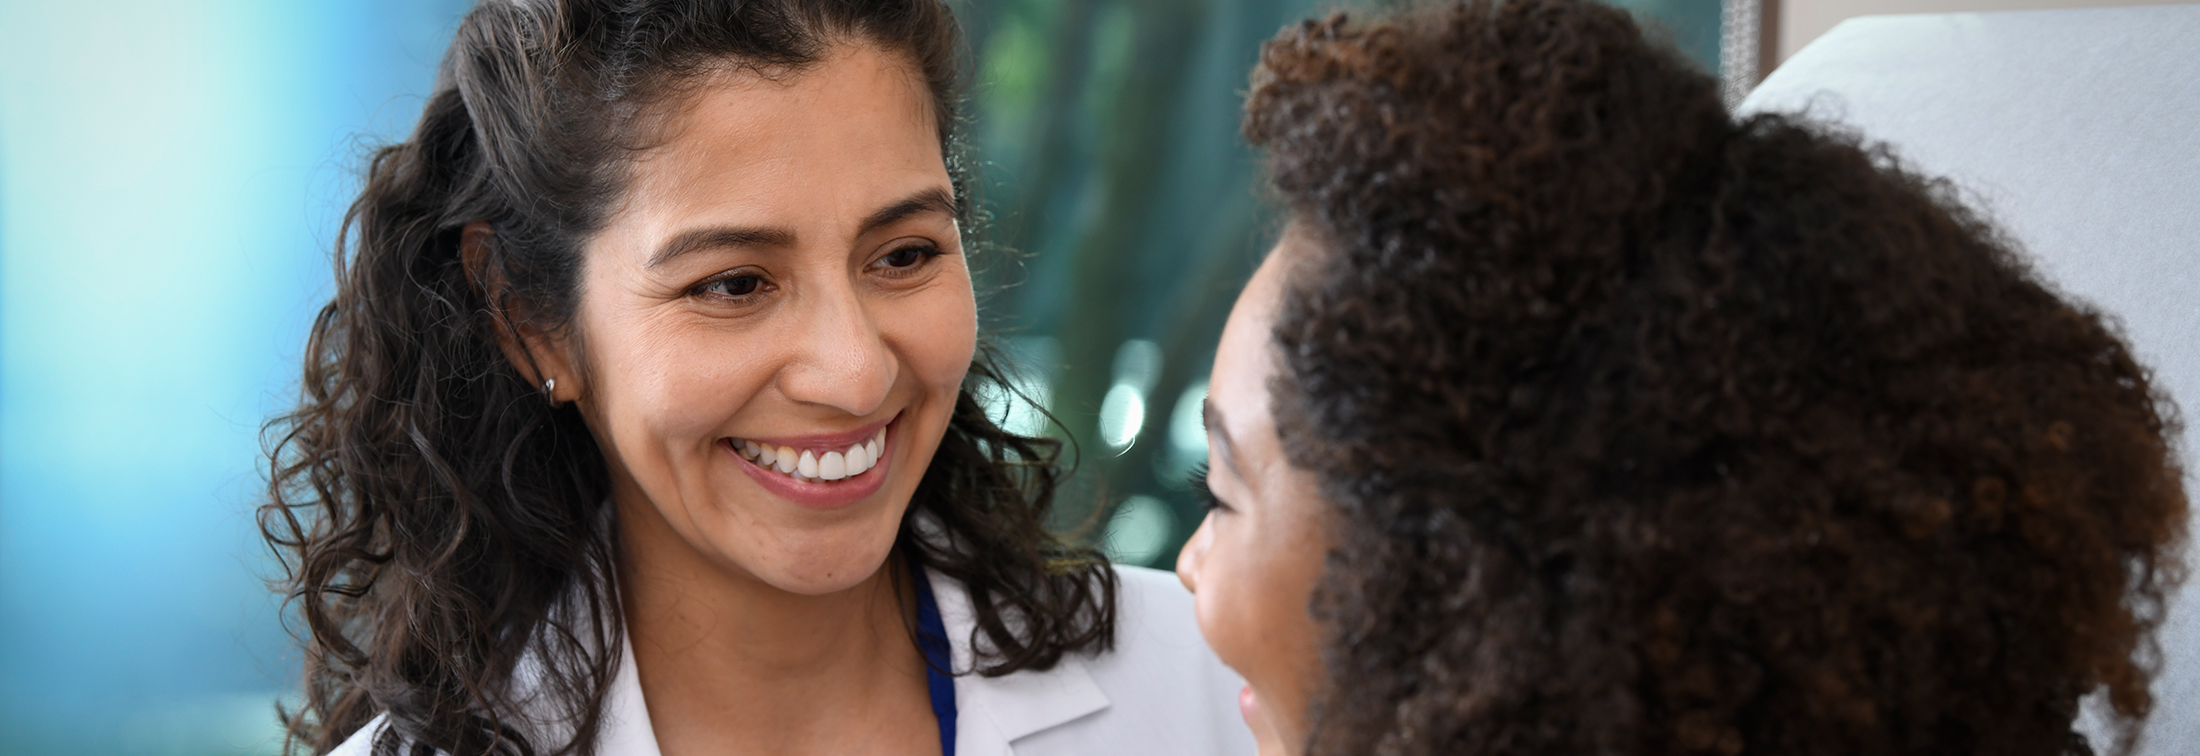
x=1126, y=212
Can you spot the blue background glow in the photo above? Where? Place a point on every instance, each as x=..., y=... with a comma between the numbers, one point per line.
x=171, y=176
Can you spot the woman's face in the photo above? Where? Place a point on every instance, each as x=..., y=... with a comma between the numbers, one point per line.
x=776, y=321
x=1253, y=562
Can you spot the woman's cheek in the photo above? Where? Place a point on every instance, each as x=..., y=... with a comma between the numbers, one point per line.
x=943, y=333
x=1228, y=608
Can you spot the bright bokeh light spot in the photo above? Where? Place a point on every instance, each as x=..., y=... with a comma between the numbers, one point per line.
x=1138, y=363
x=1187, y=429
x=1022, y=415
x=1027, y=416
x=1138, y=531
x=1122, y=414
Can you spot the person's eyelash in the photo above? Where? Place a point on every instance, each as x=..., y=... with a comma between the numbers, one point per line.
x=1200, y=490
x=926, y=253
x=703, y=286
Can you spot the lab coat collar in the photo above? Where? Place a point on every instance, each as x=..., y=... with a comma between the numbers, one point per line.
x=626, y=730
x=993, y=712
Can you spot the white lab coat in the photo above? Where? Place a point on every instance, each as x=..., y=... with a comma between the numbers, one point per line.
x=1160, y=692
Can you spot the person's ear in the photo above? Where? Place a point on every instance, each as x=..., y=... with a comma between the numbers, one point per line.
x=545, y=362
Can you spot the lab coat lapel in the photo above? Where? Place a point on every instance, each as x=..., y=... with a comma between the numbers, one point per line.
x=992, y=712
x=626, y=730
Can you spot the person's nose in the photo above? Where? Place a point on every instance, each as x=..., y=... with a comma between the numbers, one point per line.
x=1194, y=552
x=841, y=359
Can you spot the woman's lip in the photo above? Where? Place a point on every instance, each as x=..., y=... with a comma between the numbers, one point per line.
x=1248, y=706
x=823, y=494
x=827, y=442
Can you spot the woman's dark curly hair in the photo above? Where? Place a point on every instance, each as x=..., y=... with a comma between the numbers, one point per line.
x=438, y=519
x=1649, y=431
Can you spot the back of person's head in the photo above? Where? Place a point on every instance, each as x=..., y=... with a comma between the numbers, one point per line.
x=1650, y=431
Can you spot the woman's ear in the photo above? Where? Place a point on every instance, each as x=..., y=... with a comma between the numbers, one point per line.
x=540, y=359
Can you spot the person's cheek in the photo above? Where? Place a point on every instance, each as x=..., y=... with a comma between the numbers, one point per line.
x=945, y=335
x=1206, y=567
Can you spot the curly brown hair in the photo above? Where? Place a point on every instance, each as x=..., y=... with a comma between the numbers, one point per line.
x=1651, y=431
x=437, y=518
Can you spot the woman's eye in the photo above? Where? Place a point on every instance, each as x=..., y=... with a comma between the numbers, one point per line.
x=733, y=286
x=909, y=257
x=1200, y=491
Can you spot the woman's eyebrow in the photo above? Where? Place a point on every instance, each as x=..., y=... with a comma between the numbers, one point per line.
x=717, y=237
x=932, y=200
x=1226, y=448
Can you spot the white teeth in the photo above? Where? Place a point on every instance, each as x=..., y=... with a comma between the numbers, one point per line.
x=808, y=464
x=859, y=460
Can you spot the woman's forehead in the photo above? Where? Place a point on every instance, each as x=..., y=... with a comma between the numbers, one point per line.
x=844, y=138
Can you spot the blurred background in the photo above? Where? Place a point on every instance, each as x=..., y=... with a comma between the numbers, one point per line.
x=171, y=177
x=1128, y=215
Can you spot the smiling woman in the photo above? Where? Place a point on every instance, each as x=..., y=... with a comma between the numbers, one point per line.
x=643, y=419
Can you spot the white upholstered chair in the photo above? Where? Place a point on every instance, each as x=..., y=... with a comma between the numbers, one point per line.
x=2079, y=133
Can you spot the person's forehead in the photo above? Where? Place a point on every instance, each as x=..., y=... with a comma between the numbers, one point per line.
x=743, y=124
x=1245, y=361
x=750, y=152
x=1246, y=358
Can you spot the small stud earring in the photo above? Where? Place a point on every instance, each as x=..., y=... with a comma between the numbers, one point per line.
x=550, y=386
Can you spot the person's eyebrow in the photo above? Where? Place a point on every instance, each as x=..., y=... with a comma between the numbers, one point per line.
x=1212, y=418
x=718, y=237
x=932, y=200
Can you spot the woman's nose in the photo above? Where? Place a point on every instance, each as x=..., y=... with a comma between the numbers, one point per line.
x=840, y=357
x=1195, y=550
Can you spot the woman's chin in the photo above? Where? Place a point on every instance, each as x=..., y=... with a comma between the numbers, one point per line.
x=823, y=566
x=826, y=583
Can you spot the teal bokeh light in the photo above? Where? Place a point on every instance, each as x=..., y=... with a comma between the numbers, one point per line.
x=171, y=177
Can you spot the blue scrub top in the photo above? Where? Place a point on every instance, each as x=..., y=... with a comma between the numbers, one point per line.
x=932, y=640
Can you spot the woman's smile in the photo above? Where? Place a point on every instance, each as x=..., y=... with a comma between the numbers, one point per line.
x=716, y=497
x=824, y=471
